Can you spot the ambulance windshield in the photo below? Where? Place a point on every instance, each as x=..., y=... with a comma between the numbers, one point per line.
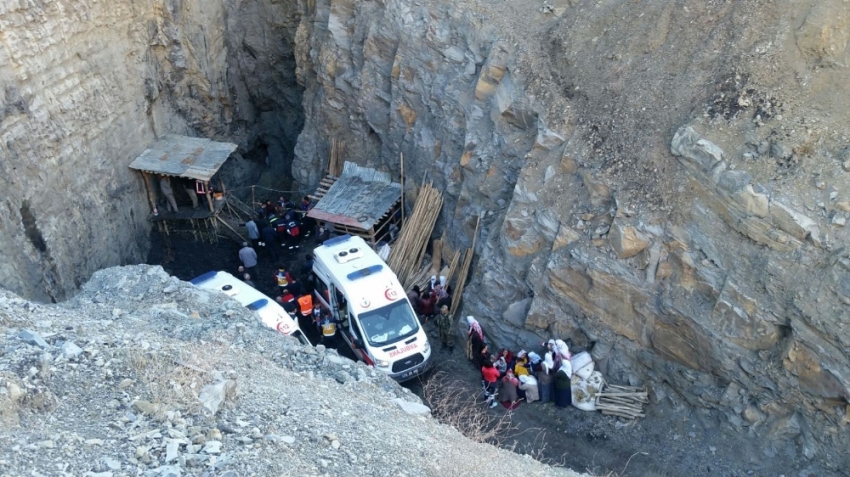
x=389, y=324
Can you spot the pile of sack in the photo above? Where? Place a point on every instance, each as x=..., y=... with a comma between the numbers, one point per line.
x=585, y=383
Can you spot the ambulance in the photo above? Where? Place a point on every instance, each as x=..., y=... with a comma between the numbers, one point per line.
x=376, y=319
x=269, y=311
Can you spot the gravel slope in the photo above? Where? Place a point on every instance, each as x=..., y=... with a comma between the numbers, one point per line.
x=111, y=383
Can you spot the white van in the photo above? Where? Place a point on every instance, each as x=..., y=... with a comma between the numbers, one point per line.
x=376, y=318
x=269, y=311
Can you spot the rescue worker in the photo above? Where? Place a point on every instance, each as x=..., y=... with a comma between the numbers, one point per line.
x=444, y=325
x=328, y=327
x=287, y=301
x=283, y=278
x=305, y=305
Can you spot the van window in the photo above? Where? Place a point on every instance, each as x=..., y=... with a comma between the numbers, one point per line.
x=321, y=288
x=389, y=324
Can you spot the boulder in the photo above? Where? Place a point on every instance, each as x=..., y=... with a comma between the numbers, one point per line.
x=626, y=240
x=415, y=408
x=694, y=149
x=33, y=338
x=546, y=138
x=213, y=395
x=71, y=350
x=753, y=202
x=566, y=236
x=734, y=180
x=790, y=221
x=516, y=312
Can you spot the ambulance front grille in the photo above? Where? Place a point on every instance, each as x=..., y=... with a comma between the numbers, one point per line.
x=406, y=363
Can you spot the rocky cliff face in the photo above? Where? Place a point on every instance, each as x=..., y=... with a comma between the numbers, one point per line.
x=663, y=182
x=84, y=88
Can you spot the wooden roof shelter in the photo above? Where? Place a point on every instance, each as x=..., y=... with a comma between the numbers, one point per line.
x=362, y=201
x=198, y=159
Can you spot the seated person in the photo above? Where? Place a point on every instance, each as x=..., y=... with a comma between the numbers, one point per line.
x=509, y=357
x=501, y=365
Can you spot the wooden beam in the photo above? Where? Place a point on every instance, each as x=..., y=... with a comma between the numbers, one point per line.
x=149, y=190
x=209, y=196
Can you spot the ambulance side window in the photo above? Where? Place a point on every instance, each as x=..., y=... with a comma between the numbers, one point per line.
x=322, y=289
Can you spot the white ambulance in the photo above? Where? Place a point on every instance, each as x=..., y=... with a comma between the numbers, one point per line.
x=269, y=311
x=376, y=318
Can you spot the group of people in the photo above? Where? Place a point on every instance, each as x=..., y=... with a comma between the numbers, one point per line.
x=433, y=304
x=510, y=378
x=281, y=223
x=167, y=189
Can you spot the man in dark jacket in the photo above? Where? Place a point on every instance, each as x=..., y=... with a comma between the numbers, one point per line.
x=269, y=236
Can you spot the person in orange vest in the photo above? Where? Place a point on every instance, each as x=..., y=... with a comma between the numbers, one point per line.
x=305, y=305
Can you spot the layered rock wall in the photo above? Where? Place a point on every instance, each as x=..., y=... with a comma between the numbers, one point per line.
x=663, y=183
x=85, y=87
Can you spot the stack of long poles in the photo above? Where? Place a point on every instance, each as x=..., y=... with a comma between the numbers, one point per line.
x=622, y=401
x=335, y=158
x=464, y=271
x=408, y=251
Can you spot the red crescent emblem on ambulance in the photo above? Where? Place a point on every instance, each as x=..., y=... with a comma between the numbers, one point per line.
x=364, y=303
x=391, y=294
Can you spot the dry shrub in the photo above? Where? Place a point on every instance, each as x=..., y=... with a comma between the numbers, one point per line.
x=805, y=149
x=8, y=412
x=452, y=404
x=536, y=448
x=626, y=467
x=173, y=378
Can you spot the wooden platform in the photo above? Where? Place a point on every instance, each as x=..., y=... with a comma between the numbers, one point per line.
x=188, y=213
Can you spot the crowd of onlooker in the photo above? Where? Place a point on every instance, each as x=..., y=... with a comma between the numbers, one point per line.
x=510, y=378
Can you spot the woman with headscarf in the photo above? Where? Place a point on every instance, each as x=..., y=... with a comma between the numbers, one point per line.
x=563, y=350
x=529, y=386
x=534, y=362
x=552, y=346
x=509, y=357
x=546, y=378
x=475, y=339
x=508, y=395
x=501, y=365
x=484, y=356
x=563, y=384
x=521, y=366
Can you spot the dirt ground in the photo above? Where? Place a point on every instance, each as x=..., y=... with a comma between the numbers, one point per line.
x=668, y=442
